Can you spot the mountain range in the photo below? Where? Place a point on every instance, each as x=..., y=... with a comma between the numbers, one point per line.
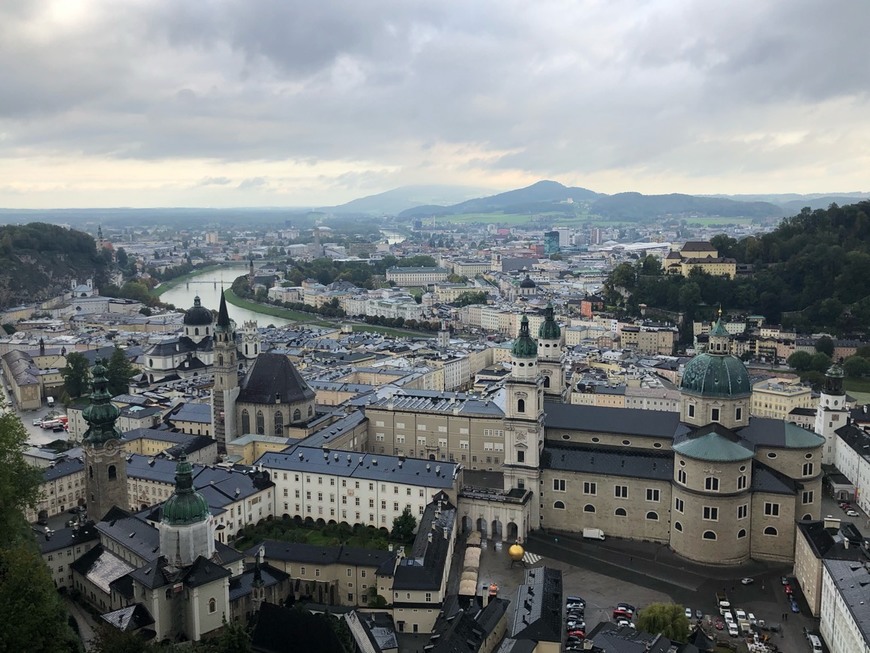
x=552, y=197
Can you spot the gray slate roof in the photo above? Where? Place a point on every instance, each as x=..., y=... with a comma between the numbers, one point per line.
x=637, y=463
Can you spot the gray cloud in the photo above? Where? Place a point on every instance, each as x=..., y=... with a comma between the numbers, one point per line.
x=410, y=90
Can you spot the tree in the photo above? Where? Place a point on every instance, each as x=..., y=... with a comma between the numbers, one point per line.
x=31, y=612
x=856, y=366
x=76, y=374
x=669, y=619
x=403, y=526
x=120, y=371
x=825, y=345
x=800, y=361
x=820, y=362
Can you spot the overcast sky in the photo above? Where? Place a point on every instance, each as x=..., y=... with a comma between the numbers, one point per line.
x=316, y=102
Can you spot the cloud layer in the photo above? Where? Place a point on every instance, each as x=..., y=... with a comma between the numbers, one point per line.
x=273, y=102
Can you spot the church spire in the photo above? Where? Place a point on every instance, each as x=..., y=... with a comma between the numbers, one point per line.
x=223, y=319
x=101, y=414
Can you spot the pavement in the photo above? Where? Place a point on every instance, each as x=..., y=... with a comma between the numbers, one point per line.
x=87, y=627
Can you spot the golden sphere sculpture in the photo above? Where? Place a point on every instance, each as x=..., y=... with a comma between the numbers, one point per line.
x=516, y=552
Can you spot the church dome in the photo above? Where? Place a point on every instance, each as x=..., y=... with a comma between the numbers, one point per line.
x=549, y=330
x=712, y=375
x=524, y=346
x=101, y=414
x=527, y=283
x=197, y=315
x=186, y=505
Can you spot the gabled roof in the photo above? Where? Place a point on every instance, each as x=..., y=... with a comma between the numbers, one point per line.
x=538, y=606
x=714, y=443
x=423, y=568
x=131, y=618
x=624, y=421
x=274, y=376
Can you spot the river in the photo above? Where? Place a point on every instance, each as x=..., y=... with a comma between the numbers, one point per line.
x=208, y=286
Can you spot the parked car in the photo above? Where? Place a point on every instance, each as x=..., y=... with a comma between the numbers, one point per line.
x=719, y=624
x=794, y=606
x=688, y=612
x=577, y=624
x=575, y=602
x=732, y=630
x=37, y=421
x=740, y=614
x=747, y=581
x=788, y=589
x=699, y=614
x=622, y=614
x=784, y=580
x=852, y=513
x=626, y=607
x=580, y=634
x=625, y=622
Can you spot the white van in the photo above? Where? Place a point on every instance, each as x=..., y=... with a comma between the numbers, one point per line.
x=815, y=643
x=50, y=401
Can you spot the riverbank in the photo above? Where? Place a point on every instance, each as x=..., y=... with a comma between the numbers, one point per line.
x=184, y=278
x=308, y=318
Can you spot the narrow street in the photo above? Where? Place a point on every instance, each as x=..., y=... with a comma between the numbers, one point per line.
x=84, y=620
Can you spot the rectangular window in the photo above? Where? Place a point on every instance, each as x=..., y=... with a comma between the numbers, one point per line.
x=400, y=425
x=691, y=410
x=738, y=414
x=653, y=495
x=771, y=509
x=808, y=469
x=807, y=497
x=421, y=427
x=590, y=487
x=521, y=456
x=711, y=484
x=558, y=485
x=620, y=491
x=741, y=482
x=428, y=597
x=711, y=513
x=742, y=511
x=681, y=476
x=714, y=414
x=679, y=506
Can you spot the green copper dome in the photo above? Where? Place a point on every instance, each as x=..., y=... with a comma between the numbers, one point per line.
x=712, y=375
x=549, y=330
x=186, y=506
x=101, y=414
x=524, y=346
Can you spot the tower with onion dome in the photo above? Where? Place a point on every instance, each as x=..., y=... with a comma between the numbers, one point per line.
x=105, y=464
x=550, y=356
x=187, y=527
x=524, y=417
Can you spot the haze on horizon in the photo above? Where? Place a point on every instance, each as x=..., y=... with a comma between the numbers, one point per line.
x=150, y=103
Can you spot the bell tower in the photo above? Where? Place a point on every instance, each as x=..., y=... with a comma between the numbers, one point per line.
x=524, y=418
x=832, y=412
x=105, y=463
x=550, y=356
x=226, y=379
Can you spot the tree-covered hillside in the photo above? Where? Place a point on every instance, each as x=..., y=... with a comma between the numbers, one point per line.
x=812, y=272
x=38, y=261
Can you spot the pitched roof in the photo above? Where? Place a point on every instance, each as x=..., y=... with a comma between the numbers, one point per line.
x=274, y=376
x=624, y=421
x=538, y=614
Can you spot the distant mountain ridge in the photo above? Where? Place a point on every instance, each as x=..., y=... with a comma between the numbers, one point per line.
x=397, y=200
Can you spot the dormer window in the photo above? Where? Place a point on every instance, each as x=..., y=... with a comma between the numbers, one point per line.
x=714, y=414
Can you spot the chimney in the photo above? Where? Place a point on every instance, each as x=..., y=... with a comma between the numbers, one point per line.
x=428, y=537
x=447, y=534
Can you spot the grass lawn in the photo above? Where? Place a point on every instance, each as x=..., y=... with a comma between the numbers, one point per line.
x=289, y=530
x=274, y=311
x=858, y=388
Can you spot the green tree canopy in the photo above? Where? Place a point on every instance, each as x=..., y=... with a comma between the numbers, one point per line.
x=403, y=526
x=669, y=619
x=800, y=361
x=31, y=613
x=820, y=362
x=856, y=366
x=120, y=371
x=76, y=374
x=825, y=345
x=471, y=297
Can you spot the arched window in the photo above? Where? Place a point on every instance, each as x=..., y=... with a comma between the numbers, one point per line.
x=212, y=606
x=113, y=472
x=770, y=530
x=678, y=526
x=261, y=423
x=310, y=411
x=652, y=515
x=91, y=471
x=546, y=381
x=741, y=533
x=297, y=415
x=196, y=331
x=806, y=517
x=709, y=535
x=620, y=512
x=246, y=421
x=588, y=508
x=521, y=405
x=150, y=362
x=559, y=505
x=279, y=423
x=220, y=359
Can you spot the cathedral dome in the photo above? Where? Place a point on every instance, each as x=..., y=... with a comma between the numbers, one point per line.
x=549, y=330
x=527, y=283
x=197, y=315
x=712, y=375
x=524, y=346
x=186, y=505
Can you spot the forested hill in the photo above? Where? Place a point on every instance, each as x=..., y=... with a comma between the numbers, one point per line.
x=812, y=272
x=38, y=261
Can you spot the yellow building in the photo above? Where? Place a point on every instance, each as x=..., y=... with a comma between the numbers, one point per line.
x=777, y=398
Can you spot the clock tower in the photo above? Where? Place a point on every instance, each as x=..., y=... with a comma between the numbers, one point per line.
x=105, y=462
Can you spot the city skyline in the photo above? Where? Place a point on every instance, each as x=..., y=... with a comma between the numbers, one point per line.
x=296, y=104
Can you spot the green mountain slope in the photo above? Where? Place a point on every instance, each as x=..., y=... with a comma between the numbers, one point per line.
x=38, y=261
